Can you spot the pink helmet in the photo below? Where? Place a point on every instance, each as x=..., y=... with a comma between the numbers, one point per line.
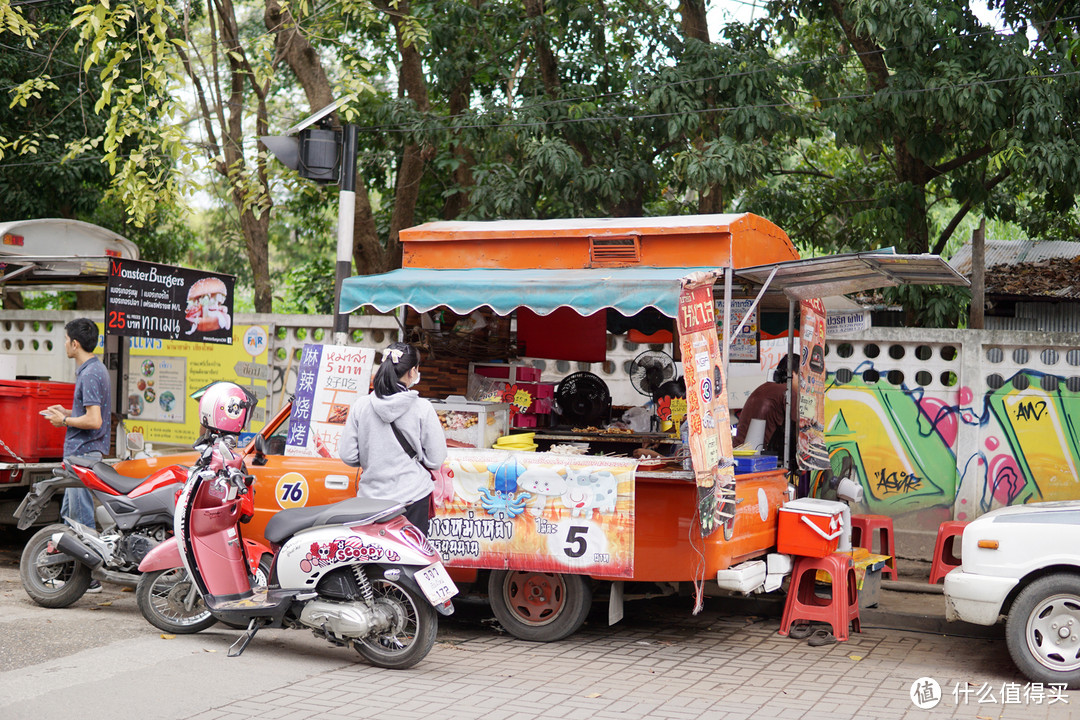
x=224, y=406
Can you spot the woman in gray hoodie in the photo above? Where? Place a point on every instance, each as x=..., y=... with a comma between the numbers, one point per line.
x=395, y=467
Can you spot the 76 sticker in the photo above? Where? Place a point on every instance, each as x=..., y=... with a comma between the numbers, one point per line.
x=291, y=491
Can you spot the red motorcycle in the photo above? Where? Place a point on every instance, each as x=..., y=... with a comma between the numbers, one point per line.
x=136, y=515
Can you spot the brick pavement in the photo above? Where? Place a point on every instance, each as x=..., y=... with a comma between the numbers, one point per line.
x=662, y=662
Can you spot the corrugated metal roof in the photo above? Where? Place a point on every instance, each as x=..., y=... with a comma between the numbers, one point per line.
x=853, y=272
x=1039, y=316
x=1015, y=252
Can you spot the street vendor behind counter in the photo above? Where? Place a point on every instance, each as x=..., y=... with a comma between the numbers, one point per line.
x=767, y=403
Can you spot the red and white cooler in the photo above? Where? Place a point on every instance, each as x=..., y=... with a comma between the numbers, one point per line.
x=810, y=527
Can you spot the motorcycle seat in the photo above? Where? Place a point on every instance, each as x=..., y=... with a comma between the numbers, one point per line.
x=287, y=523
x=121, y=483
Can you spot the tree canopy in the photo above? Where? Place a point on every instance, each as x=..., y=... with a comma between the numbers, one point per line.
x=852, y=125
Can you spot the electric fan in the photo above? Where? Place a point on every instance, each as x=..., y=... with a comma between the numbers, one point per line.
x=650, y=370
x=582, y=399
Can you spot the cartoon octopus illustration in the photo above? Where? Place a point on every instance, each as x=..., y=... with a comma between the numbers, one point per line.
x=505, y=498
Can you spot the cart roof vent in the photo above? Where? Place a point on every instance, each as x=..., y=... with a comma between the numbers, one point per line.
x=614, y=250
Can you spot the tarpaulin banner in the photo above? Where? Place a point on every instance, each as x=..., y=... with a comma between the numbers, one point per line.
x=812, y=454
x=149, y=300
x=162, y=375
x=707, y=408
x=546, y=512
x=329, y=380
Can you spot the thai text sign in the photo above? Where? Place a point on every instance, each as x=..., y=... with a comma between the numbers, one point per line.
x=328, y=382
x=706, y=408
x=811, y=452
x=148, y=300
x=535, y=511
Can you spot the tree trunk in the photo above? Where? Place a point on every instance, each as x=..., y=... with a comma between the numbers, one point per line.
x=292, y=47
x=458, y=202
x=909, y=169
x=694, y=22
x=549, y=68
x=411, y=166
x=978, y=277
x=256, y=239
x=695, y=26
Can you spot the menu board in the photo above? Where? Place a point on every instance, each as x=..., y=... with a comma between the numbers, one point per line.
x=744, y=346
x=157, y=387
x=709, y=433
x=329, y=380
x=148, y=300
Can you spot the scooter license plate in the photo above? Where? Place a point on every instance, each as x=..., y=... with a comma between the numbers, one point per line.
x=436, y=583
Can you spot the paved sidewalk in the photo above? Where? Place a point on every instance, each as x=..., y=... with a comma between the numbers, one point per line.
x=660, y=662
x=663, y=662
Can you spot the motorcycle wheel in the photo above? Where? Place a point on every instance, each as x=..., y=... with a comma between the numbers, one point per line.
x=160, y=595
x=539, y=606
x=51, y=586
x=413, y=633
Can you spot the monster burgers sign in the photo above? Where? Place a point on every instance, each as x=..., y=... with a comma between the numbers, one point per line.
x=149, y=300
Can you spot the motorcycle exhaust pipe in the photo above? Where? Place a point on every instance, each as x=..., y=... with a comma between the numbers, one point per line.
x=122, y=579
x=69, y=545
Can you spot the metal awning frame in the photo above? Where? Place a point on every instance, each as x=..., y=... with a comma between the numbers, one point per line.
x=53, y=272
x=850, y=272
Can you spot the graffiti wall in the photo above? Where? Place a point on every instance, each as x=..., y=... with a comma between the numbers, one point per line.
x=943, y=424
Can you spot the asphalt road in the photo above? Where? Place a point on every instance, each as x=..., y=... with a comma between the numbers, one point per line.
x=100, y=659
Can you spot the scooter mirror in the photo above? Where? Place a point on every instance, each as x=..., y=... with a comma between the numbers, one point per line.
x=134, y=441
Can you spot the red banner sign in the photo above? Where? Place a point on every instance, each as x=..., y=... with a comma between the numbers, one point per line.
x=709, y=434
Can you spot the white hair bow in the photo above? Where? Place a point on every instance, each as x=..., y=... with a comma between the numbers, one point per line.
x=393, y=353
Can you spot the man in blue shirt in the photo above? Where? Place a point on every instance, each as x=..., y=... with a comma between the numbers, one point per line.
x=89, y=419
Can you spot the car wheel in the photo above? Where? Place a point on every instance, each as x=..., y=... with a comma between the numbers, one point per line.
x=1043, y=630
x=538, y=606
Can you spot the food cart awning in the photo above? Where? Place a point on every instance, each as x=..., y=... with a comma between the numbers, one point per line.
x=628, y=290
x=854, y=272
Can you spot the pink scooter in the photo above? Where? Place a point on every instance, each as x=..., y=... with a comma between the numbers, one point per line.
x=354, y=572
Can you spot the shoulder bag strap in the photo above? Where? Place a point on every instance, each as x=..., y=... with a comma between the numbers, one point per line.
x=405, y=444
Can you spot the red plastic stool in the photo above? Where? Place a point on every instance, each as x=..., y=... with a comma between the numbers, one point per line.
x=804, y=604
x=944, y=558
x=864, y=528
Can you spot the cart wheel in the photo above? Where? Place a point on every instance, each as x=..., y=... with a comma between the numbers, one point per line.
x=538, y=606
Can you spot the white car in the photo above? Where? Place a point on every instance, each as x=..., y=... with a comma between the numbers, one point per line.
x=1024, y=561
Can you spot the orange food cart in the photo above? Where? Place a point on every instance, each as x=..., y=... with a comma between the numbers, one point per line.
x=542, y=532
x=503, y=520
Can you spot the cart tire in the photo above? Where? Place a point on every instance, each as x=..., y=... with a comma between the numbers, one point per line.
x=51, y=586
x=538, y=606
x=1041, y=612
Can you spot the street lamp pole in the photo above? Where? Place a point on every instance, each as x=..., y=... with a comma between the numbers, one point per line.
x=346, y=212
